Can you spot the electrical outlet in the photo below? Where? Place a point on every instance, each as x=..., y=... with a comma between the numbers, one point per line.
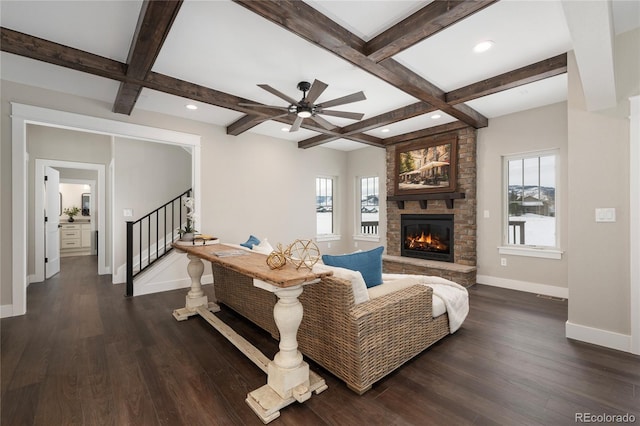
x=503, y=261
x=328, y=245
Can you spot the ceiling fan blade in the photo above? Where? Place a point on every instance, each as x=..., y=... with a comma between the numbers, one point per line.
x=263, y=106
x=296, y=124
x=342, y=114
x=354, y=97
x=273, y=118
x=278, y=93
x=316, y=90
x=321, y=121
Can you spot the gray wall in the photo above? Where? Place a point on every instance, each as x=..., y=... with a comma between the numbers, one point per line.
x=146, y=175
x=52, y=143
x=532, y=130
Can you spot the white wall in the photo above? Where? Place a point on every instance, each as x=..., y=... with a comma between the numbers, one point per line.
x=72, y=196
x=365, y=162
x=254, y=184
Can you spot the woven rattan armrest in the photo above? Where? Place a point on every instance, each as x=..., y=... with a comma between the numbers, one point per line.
x=417, y=297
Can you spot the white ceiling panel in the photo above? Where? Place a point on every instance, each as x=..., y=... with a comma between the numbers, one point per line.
x=544, y=92
x=52, y=77
x=152, y=100
x=523, y=32
x=367, y=19
x=104, y=28
x=232, y=61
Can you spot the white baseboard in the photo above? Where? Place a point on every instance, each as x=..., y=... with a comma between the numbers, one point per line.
x=529, y=287
x=157, y=287
x=596, y=336
x=6, y=311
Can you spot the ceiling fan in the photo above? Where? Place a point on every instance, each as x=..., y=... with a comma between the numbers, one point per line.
x=307, y=108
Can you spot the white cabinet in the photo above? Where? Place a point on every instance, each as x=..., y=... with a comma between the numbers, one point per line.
x=85, y=236
x=75, y=239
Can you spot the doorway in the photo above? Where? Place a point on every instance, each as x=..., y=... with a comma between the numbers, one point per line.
x=99, y=223
x=21, y=115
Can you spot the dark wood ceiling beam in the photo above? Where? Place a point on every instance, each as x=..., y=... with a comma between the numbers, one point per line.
x=47, y=51
x=154, y=23
x=57, y=54
x=525, y=75
x=243, y=124
x=357, y=137
x=304, y=21
x=426, y=22
x=431, y=131
x=412, y=83
x=403, y=113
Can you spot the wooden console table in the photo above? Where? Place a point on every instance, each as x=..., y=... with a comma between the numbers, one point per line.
x=288, y=376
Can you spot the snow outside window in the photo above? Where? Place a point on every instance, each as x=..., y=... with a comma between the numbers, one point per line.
x=324, y=206
x=531, y=183
x=369, y=206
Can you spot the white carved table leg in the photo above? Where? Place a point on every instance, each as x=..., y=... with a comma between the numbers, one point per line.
x=288, y=378
x=195, y=297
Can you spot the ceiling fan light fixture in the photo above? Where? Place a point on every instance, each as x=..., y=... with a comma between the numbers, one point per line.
x=304, y=113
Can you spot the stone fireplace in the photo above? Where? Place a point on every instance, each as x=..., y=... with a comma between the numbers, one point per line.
x=459, y=264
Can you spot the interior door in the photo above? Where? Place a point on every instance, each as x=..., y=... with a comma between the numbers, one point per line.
x=52, y=222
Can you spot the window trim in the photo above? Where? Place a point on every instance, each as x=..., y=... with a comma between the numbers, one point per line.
x=547, y=252
x=357, y=235
x=335, y=234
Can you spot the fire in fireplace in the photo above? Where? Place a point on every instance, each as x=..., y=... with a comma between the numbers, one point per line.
x=427, y=236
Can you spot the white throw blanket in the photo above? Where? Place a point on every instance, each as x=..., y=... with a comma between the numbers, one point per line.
x=454, y=296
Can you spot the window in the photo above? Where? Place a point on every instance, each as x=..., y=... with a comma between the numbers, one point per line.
x=324, y=206
x=531, y=200
x=369, y=206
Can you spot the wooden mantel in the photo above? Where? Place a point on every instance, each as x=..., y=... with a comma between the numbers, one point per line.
x=448, y=197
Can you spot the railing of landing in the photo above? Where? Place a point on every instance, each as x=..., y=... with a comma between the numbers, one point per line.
x=151, y=237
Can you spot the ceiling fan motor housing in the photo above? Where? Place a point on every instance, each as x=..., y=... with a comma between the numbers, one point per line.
x=304, y=86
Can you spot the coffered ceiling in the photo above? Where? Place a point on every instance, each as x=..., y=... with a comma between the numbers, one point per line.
x=414, y=60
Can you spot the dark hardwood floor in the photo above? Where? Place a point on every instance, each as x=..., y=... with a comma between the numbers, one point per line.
x=86, y=355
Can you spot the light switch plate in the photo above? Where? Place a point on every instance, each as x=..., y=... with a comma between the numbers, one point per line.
x=606, y=214
x=127, y=212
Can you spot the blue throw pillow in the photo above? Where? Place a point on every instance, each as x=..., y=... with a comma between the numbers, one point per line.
x=250, y=242
x=368, y=263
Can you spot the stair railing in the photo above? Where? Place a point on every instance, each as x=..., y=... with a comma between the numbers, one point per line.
x=151, y=237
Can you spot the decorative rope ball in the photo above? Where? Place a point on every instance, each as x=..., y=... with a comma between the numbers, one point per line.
x=277, y=258
x=303, y=253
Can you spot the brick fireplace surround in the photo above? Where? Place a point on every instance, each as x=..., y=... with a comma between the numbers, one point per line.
x=463, y=269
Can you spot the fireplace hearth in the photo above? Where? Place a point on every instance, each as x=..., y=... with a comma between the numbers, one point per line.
x=427, y=236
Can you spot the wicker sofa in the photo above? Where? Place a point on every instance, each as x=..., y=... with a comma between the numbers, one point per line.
x=358, y=343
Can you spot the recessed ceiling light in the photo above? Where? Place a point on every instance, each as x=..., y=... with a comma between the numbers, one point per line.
x=385, y=130
x=191, y=107
x=436, y=116
x=285, y=129
x=483, y=46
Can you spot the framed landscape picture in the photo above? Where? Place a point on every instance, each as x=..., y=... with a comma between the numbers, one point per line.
x=426, y=167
